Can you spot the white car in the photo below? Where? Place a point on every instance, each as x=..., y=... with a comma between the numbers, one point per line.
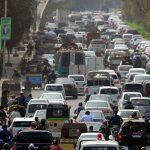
x=20, y=123
x=53, y=97
x=123, y=70
x=136, y=71
x=80, y=82
x=41, y=114
x=125, y=113
x=112, y=91
x=141, y=78
x=126, y=97
x=55, y=88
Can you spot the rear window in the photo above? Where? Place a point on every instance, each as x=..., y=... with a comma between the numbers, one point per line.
x=114, y=76
x=127, y=96
x=97, y=104
x=22, y=123
x=54, y=88
x=65, y=59
x=98, y=82
x=77, y=78
x=126, y=114
x=133, y=87
x=34, y=107
x=98, y=42
x=34, y=137
x=109, y=91
x=143, y=102
x=142, y=78
x=124, y=68
x=99, y=148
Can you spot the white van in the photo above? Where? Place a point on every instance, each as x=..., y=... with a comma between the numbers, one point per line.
x=97, y=145
x=35, y=104
x=58, y=88
x=20, y=123
x=80, y=82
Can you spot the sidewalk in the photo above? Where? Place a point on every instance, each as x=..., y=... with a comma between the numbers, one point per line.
x=15, y=61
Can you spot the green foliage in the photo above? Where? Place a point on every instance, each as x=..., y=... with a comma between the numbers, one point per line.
x=140, y=29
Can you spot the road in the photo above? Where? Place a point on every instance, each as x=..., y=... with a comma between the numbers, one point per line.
x=71, y=102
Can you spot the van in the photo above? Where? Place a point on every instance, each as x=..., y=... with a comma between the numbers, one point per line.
x=97, y=145
x=35, y=104
x=80, y=82
x=58, y=88
x=20, y=123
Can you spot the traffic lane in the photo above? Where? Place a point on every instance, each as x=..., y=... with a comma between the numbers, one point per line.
x=73, y=103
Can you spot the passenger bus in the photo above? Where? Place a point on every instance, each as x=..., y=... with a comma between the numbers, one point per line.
x=56, y=116
x=69, y=60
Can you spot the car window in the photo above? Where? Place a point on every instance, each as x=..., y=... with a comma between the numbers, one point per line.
x=124, y=68
x=97, y=104
x=34, y=107
x=143, y=102
x=127, y=96
x=137, y=71
x=133, y=87
x=77, y=78
x=99, y=148
x=109, y=91
x=98, y=97
x=22, y=123
x=126, y=114
x=54, y=88
x=51, y=96
x=147, y=86
x=142, y=78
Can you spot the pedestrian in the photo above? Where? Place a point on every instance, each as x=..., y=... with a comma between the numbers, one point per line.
x=3, y=114
x=87, y=117
x=52, y=76
x=4, y=98
x=15, y=113
x=55, y=145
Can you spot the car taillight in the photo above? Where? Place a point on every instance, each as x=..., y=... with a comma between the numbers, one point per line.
x=119, y=136
x=117, y=81
x=86, y=90
x=14, y=147
x=99, y=136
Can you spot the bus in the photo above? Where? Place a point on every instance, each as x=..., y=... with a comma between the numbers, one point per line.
x=56, y=116
x=69, y=60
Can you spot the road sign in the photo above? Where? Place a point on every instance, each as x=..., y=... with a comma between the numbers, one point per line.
x=6, y=28
x=0, y=39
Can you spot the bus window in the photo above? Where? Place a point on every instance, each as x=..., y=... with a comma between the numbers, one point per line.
x=65, y=59
x=79, y=58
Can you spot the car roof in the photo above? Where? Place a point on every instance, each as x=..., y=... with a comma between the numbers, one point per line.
x=136, y=69
x=106, y=143
x=76, y=75
x=125, y=110
x=142, y=75
x=96, y=101
x=52, y=93
x=38, y=101
x=140, y=98
x=110, y=87
x=23, y=119
x=131, y=93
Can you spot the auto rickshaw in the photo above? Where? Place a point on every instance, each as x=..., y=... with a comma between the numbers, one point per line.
x=12, y=87
x=70, y=133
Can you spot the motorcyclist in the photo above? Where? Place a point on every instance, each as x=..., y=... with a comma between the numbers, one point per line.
x=55, y=145
x=79, y=108
x=138, y=63
x=16, y=76
x=133, y=116
x=52, y=76
x=115, y=120
x=104, y=129
x=129, y=105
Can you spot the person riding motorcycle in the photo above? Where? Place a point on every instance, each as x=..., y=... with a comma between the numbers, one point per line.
x=52, y=76
x=133, y=116
x=115, y=120
x=16, y=76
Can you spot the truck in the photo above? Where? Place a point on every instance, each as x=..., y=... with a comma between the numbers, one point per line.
x=92, y=35
x=94, y=63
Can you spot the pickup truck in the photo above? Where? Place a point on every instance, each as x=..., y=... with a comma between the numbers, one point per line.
x=39, y=138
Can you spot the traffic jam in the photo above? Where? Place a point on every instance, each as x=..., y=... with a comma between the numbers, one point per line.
x=91, y=79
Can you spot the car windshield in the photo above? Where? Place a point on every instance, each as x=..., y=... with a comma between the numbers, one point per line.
x=109, y=91
x=124, y=68
x=51, y=96
x=133, y=87
x=126, y=114
x=22, y=123
x=97, y=104
x=99, y=148
x=98, y=97
x=77, y=78
x=141, y=78
x=54, y=88
x=93, y=114
x=127, y=96
x=143, y=102
x=34, y=107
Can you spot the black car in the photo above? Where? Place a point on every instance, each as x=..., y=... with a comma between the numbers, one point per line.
x=41, y=140
x=134, y=134
x=69, y=85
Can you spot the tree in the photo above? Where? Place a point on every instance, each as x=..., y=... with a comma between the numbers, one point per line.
x=21, y=12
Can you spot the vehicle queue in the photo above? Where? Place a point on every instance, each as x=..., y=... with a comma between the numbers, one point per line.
x=115, y=111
